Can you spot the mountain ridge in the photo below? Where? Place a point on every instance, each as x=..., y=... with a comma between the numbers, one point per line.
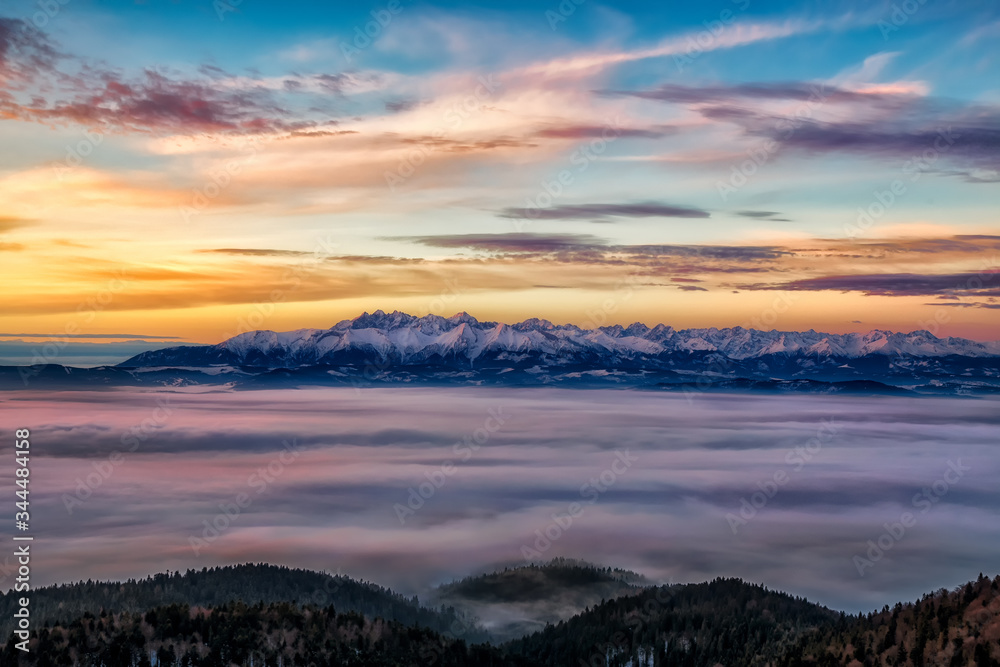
x=406, y=338
x=397, y=349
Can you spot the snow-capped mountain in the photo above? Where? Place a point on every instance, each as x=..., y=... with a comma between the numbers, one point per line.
x=396, y=348
x=397, y=338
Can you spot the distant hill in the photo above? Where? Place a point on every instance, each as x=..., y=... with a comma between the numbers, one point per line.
x=516, y=601
x=247, y=583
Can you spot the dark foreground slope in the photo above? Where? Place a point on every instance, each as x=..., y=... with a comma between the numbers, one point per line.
x=237, y=634
x=946, y=629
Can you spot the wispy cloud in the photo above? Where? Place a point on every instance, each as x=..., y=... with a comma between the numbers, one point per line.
x=256, y=252
x=739, y=34
x=899, y=284
x=605, y=211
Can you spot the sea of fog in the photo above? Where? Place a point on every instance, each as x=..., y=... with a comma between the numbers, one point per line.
x=853, y=502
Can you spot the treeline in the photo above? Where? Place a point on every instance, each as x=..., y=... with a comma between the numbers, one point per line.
x=249, y=583
x=960, y=628
x=273, y=635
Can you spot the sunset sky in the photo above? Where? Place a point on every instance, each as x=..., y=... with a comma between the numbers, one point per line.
x=172, y=169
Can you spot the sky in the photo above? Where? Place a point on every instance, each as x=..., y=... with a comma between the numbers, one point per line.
x=449, y=482
x=172, y=169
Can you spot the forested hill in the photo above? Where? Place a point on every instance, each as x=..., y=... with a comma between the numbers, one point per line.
x=724, y=622
x=517, y=601
x=960, y=628
x=536, y=582
x=248, y=583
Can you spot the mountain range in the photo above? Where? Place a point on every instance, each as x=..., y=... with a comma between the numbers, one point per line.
x=397, y=348
x=404, y=339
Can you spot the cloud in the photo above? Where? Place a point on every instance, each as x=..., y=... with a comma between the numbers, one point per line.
x=395, y=106
x=320, y=133
x=450, y=145
x=526, y=242
x=763, y=215
x=971, y=138
x=973, y=304
x=898, y=284
x=740, y=34
x=9, y=224
x=375, y=259
x=738, y=253
x=585, y=248
x=793, y=90
x=257, y=252
x=602, y=132
x=888, y=120
x=35, y=87
x=25, y=52
x=979, y=143
x=153, y=102
x=605, y=211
